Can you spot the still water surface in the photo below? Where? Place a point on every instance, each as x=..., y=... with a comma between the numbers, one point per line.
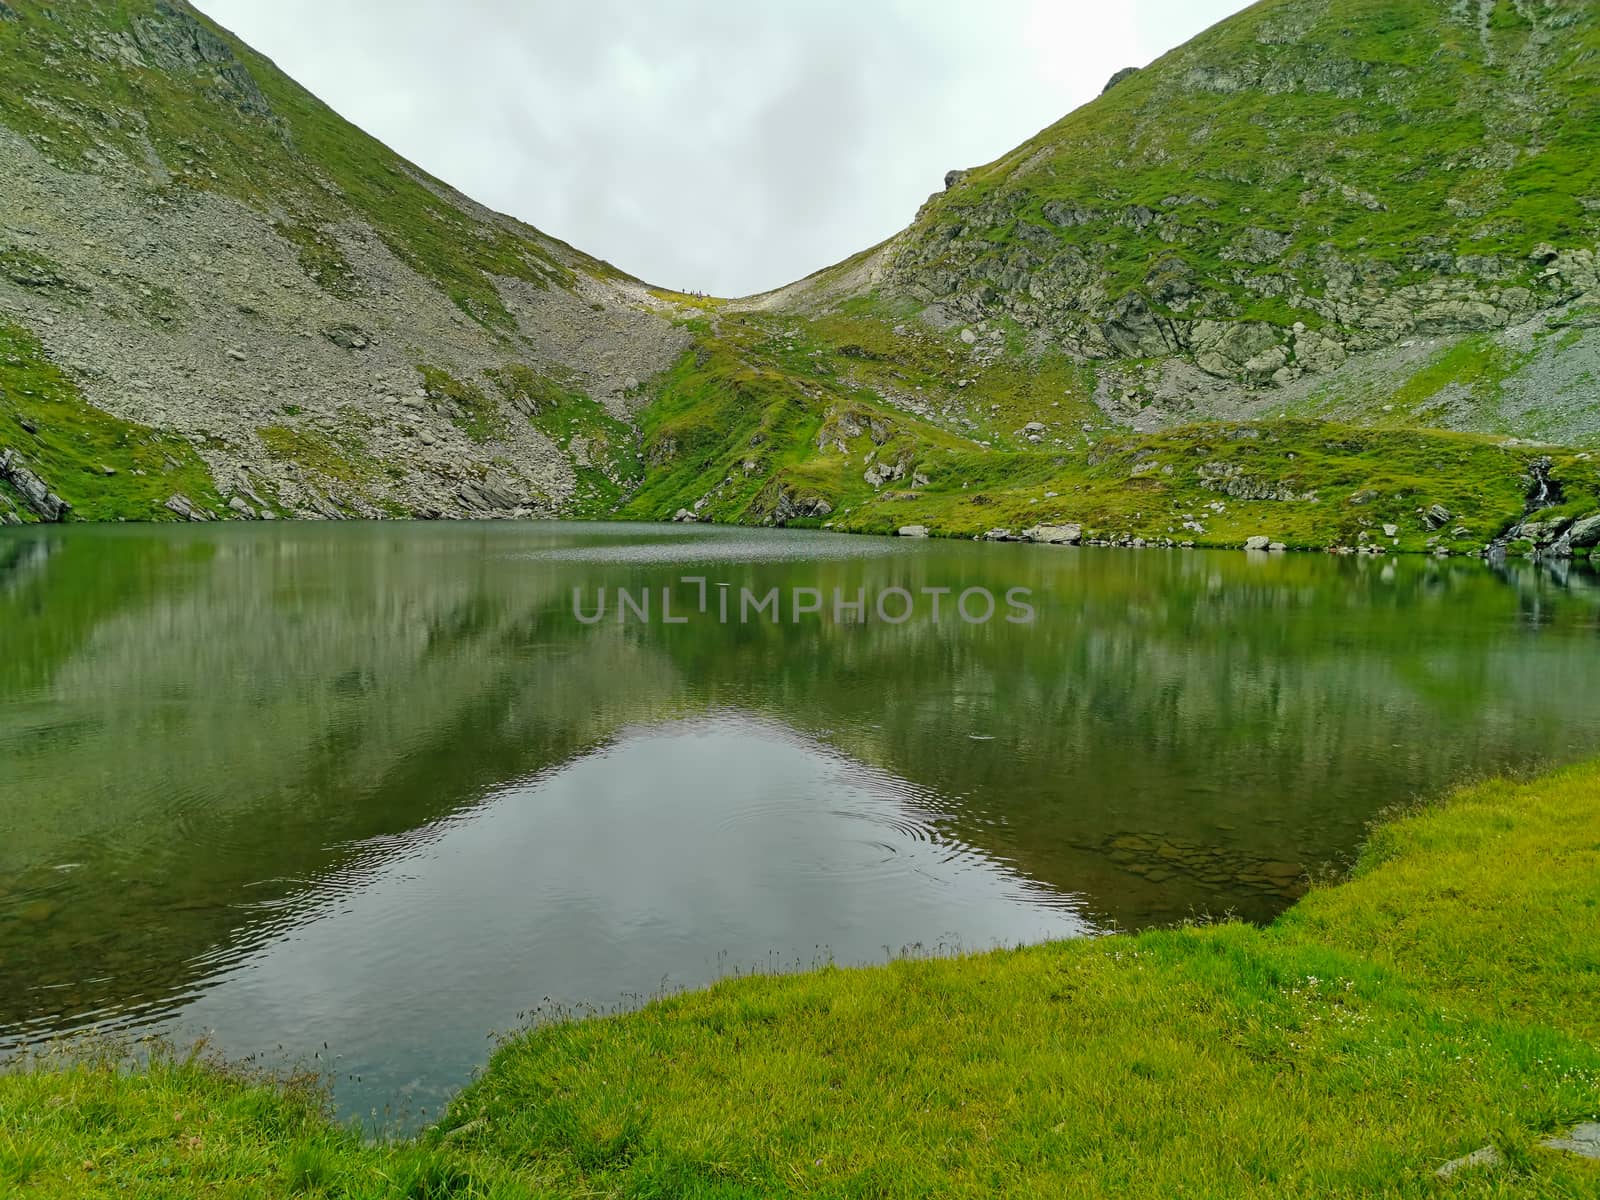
x=377, y=786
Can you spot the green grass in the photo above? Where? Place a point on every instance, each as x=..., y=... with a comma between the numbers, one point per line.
x=106, y=468
x=1443, y=998
x=1346, y=483
x=469, y=409
x=1295, y=164
x=1289, y=121
x=766, y=408
x=191, y=1126
x=341, y=461
x=603, y=450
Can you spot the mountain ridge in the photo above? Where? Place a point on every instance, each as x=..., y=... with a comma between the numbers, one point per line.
x=1378, y=215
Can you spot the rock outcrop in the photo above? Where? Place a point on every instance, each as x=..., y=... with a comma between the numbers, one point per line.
x=250, y=291
x=35, y=493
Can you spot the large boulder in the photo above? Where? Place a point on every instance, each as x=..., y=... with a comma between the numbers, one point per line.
x=1247, y=350
x=35, y=493
x=1054, y=535
x=1579, y=538
x=1585, y=532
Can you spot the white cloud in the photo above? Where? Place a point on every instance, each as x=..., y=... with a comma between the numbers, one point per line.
x=722, y=145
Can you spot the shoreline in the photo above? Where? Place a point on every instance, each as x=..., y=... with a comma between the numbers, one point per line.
x=1497, y=553
x=1338, y=1033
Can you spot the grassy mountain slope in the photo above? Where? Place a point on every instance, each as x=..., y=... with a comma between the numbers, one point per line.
x=221, y=118
x=1378, y=215
x=845, y=422
x=1308, y=180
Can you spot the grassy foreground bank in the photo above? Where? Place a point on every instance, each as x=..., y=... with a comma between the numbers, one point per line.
x=1445, y=998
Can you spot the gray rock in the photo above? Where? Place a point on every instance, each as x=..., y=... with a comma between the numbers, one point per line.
x=1054, y=535
x=1125, y=73
x=1134, y=331
x=792, y=504
x=1257, y=245
x=1585, y=532
x=1391, y=531
x=1000, y=535
x=1068, y=215
x=496, y=490
x=879, y=474
x=1583, y=1140
x=1278, y=548
x=1247, y=350
x=1438, y=517
x=184, y=508
x=348, y=337
x=951, y=178
x=912, y=531
x=175, y=38
x=1486, y=1156
x=35, y=493
x=1257, y=543
x=684, y=517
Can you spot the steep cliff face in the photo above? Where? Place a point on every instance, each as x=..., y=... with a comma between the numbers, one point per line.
x=1271, y=214
x=194, y=250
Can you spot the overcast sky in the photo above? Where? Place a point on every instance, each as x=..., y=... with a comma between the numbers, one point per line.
x=726, y=146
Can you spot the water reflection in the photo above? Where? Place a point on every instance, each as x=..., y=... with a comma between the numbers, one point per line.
x=273, y=779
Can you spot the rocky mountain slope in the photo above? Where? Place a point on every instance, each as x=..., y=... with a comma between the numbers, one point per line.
x=1302, y=208
x=267, y=308
x=1325, y=275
